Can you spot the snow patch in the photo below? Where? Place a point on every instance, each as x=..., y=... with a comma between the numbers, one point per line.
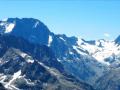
x=23, y=54
x=30, y=61
x=79, y=41
x=62, y=38
x=27, y=57
x=77, y=49
x=51, y=70
x=9, y=27
x=70, y=52
x=36, y=24
x=99, y=53
x=97, y=43
x=50, y=40
x=109, y=48
x=2, y=78
x=15, y=76
x=58, y=60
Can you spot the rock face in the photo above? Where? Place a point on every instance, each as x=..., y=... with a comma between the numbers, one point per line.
x=24, y=65
x=2, y=87
x=31, y=29
x=117, y=40
x=36, y=51
x=110, y=80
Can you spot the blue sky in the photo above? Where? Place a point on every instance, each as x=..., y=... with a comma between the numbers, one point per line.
x=88, y=19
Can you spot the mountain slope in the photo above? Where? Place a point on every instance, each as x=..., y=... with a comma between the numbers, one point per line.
x=85, y=60
x=22, y=68
x=110, y=80
x=65, y=48
x=31, y=29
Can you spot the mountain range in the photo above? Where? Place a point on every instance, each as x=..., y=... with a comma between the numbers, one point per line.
x=34, y=58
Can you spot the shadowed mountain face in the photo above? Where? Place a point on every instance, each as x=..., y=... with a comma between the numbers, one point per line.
x=2, y=87
x=110, y=80
x=34, y=50
x=24, y=65
x=117, y=40
x=31, y=29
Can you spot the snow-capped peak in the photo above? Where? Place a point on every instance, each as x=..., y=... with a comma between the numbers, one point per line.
x=101, y=50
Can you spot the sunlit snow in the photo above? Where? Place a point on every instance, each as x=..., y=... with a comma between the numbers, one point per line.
x=15, y=76
x=50, y=40
x=37, y=23
x=62, y=38
x=9, y=27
